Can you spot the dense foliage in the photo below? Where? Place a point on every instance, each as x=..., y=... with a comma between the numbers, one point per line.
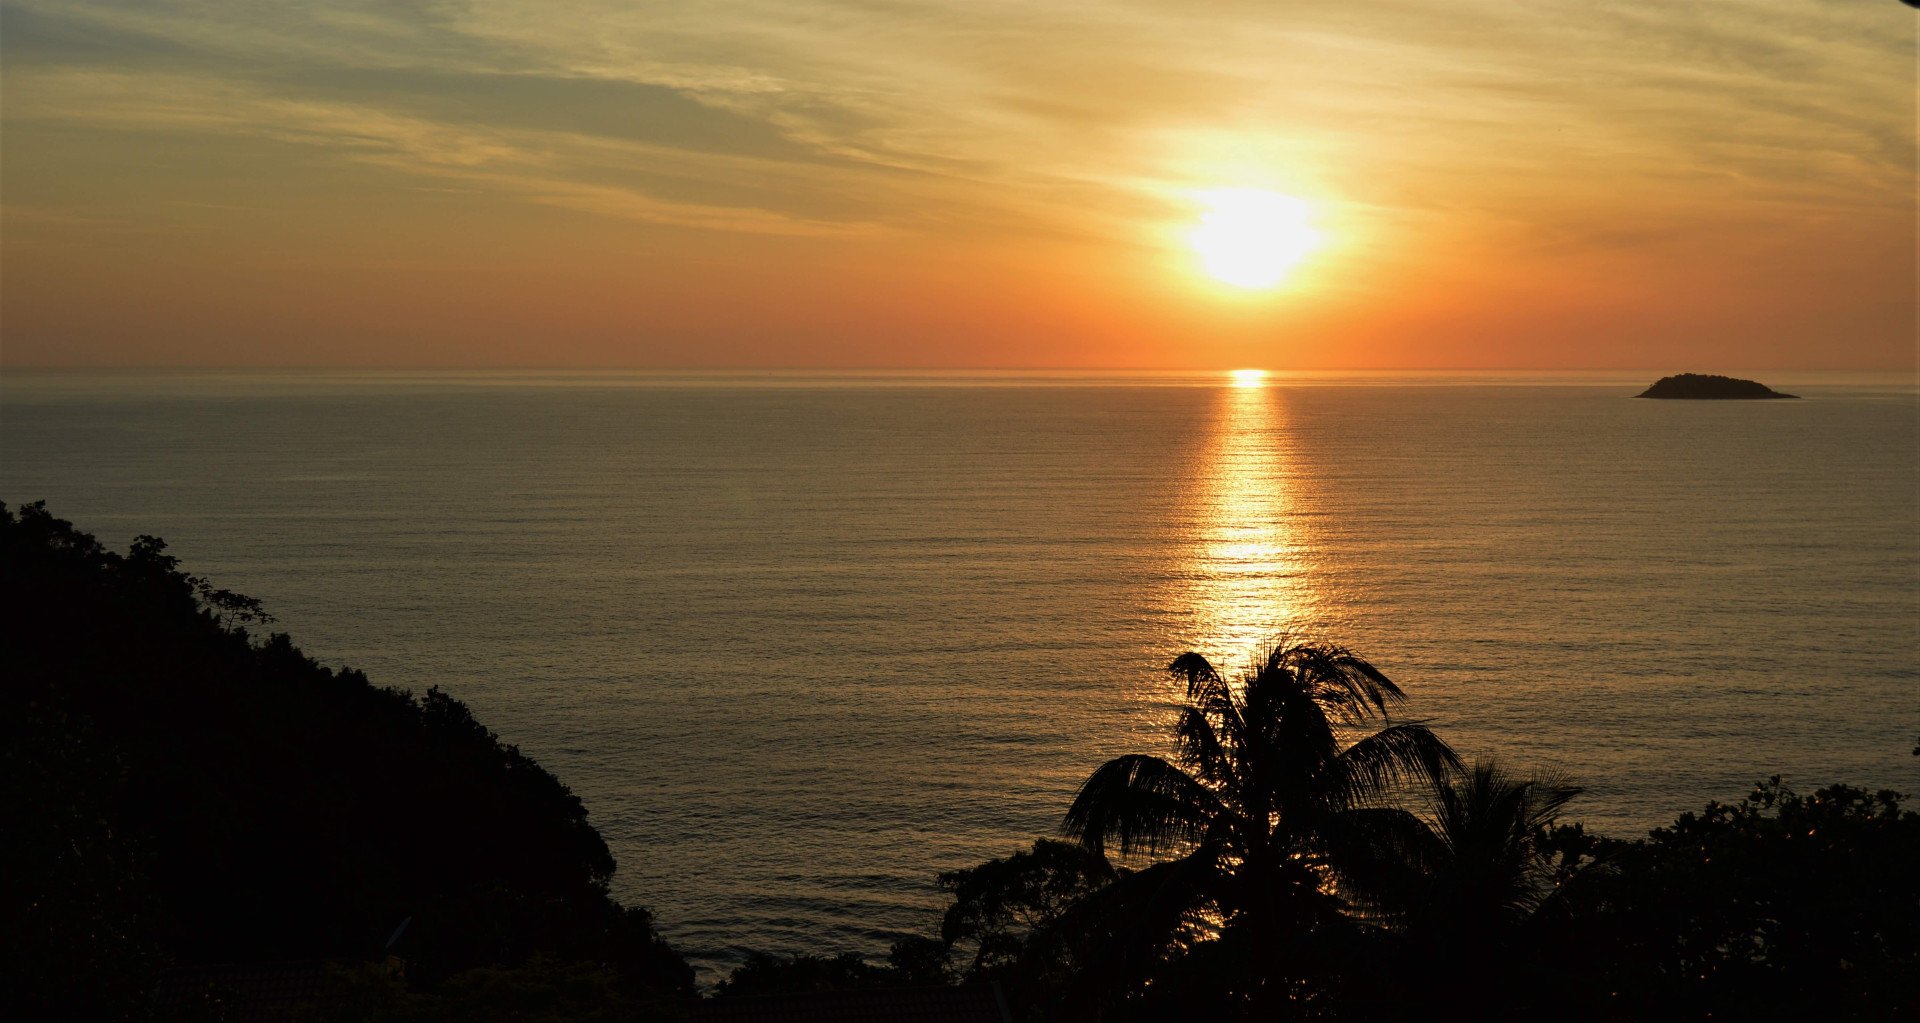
x=174, y=790
x=180, y=791
x=1290, y=875
x=1779, y=906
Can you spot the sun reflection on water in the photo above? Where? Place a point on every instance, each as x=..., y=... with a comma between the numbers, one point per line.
x=1249, y=568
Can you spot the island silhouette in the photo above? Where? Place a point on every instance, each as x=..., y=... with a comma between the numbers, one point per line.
x=1710, y=386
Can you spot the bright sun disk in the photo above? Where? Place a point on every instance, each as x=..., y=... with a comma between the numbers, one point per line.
x=1251, y=238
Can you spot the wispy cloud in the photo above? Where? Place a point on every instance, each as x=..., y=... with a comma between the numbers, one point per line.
x=1013, y=101
x=1623, y=137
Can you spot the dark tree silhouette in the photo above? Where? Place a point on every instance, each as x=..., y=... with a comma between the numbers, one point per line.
x=1781, y=906
x=1005, y=912
x=1473, y=865
x=269, y=807
x=912, y=962
x=1455, y=886
x=75, y=911
x=1263, y=792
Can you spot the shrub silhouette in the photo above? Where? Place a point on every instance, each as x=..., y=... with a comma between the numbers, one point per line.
x=1779, y=906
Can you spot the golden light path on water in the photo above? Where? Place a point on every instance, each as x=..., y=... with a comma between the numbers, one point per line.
x=1250, y=570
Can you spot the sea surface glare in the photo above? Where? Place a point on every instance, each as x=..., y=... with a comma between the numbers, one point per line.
x=803, y=642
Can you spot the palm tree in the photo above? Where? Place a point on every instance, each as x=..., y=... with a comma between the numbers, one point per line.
x=1262, y=791
x=1475, y=864
x=1457, y=886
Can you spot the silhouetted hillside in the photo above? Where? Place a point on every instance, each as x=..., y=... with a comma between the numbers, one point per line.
x=178, y=791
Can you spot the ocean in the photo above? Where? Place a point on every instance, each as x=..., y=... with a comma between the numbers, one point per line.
x=803, y=641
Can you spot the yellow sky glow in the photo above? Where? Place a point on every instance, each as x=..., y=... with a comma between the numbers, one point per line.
x=1549, y=183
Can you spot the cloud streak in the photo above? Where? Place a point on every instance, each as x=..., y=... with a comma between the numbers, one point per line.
x=1568, y=128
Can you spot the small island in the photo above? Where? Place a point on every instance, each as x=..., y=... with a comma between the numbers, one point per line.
x=1710, y=386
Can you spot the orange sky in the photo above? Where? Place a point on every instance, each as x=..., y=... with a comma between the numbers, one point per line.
x=1525, y=183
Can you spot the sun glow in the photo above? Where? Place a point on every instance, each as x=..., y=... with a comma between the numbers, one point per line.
x=1249, y=377
x=1250, y=238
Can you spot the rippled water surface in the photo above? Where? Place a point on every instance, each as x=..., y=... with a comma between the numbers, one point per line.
x=802, y=642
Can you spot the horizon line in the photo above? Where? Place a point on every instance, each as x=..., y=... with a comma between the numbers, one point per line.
x=884, y=368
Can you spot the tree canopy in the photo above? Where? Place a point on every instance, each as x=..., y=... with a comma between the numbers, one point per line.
x=213, y=796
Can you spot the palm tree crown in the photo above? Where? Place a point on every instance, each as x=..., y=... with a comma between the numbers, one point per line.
x=1262, y=788
x=1474, y=864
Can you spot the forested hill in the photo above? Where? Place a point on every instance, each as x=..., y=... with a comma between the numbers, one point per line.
x=180, y=791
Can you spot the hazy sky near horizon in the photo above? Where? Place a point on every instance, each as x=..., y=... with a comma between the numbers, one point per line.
x=1495, y=183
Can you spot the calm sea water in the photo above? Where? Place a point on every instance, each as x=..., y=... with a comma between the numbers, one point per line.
x=801, y=641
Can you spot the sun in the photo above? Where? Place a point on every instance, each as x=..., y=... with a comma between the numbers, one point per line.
x=1250, y=238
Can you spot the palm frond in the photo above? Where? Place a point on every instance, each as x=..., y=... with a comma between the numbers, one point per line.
x=1145, y=803
x=1177, y=891
x=1389, y=828
x=1488, y=821
x=1196, y=669
x=1201, y=750
x=1142, y=916
x=1208, y=691
x=1549, y=794
x=1489, y=799
x=1337, y=678
x=1374, y=766
x=1381, y=856
x=1293, y=724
